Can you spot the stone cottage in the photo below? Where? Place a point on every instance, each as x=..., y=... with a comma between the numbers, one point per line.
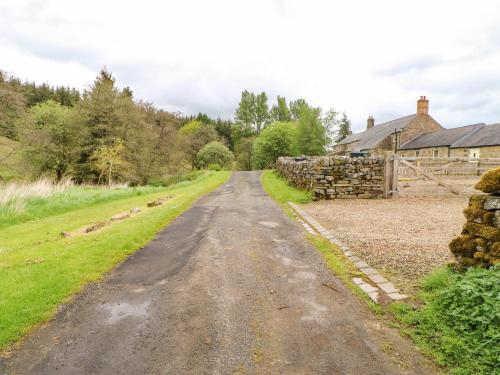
x=389, y=136
x=472, y=141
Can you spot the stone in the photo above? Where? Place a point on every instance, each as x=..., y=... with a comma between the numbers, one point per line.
x=377, y=279
x=368, y=271
x=135, y=210
x=95, y=226
x=397, y=296
x=367, y=288
x=120, y=216
x=373, y=296
x=492, y=203
x=357, y=280
x=361, y=264
x=354, y=258
x=388, y=287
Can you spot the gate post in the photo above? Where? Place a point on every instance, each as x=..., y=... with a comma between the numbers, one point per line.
x=388, y=173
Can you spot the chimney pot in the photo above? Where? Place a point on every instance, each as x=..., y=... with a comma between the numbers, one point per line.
x=423, y=106
x=370, y=123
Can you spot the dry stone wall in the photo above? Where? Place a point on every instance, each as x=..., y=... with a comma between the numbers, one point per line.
x=335, y=177
x=479, y=244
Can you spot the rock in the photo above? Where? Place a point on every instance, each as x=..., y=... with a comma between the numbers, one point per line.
x=95, y=226
x=135, y=210
x=155, y=203
x=120, y=216
x=483, y=231
x=492, y=203
x=65, y=234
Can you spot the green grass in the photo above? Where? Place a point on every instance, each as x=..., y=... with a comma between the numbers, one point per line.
x=281, y=191
x=39, y=269
x=458, y=322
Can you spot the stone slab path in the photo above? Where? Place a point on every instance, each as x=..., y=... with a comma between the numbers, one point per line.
x=232, y=286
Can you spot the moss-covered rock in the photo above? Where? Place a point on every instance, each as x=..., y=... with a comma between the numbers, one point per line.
x=477, y=201
x=479, y=216
x=494, y=249
x=483, y=231
x=464, y=245
x=490, y=182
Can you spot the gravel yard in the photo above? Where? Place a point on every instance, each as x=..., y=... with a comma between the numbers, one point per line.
x=404, y=238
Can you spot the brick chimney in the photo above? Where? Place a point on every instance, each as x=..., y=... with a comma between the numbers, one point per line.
x=370, y=123
x=423, y=106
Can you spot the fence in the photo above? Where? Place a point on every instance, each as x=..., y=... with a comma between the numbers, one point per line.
x=406, y=176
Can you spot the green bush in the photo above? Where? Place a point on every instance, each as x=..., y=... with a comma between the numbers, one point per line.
x=460, y=321
x=278, y=139
x=215, y=153
x=214, y=167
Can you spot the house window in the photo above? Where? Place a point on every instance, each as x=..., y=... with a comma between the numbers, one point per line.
x=417, y=153
x=474, y=153
x=402, y=155
x=435, y=153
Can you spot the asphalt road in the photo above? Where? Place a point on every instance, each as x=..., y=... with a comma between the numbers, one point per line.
x=232, y=286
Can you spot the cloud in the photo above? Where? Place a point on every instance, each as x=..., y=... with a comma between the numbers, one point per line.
x=365, y=58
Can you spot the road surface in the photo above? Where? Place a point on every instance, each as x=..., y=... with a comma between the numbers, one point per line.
x=232, y=286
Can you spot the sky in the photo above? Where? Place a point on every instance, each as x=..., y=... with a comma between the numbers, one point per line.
x=361, y=57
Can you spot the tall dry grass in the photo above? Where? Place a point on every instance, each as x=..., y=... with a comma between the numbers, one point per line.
x=14, y=194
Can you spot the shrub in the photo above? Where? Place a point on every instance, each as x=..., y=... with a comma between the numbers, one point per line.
x=215, y=153
x=278, y=139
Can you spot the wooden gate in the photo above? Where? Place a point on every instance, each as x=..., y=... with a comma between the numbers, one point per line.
x=411, y=175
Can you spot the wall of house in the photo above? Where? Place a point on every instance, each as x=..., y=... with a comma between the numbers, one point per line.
x=419, y=125
x=424, y=152
x=484, y=152
x=331, y=177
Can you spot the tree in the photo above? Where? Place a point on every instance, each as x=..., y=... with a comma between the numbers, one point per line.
x=312, y=137
x=194, y=136
x=109, y=159
x=244, y=153
x=261, y=112
x=50, y=138
x=278, y=139
x=215, y=153
x=344, y=128
x=253, y=111
x=280, y=111
x=12, y=106
x=296, y=107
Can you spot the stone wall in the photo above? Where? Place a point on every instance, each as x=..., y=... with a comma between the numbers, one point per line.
x=335, y=177
x=479, y=243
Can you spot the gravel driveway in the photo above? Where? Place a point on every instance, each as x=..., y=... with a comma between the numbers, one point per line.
x=232, y=286
x=404, y=237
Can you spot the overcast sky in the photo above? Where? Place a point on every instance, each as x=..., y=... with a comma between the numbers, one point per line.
x=362, y=57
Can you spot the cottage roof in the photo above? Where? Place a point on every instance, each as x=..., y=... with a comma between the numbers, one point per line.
x=446, y=137
x=373, y=136
x=488, y=135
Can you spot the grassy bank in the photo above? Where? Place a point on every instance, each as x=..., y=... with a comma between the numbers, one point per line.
x=281, y=191
x=39, y=269
x=458, y=320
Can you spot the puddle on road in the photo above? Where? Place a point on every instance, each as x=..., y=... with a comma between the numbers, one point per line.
x=269, y=224
x=119, y=311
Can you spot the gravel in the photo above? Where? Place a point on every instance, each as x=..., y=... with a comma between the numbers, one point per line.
x=404, y=238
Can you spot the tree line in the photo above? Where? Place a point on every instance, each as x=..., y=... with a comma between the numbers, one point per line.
x=104, y=134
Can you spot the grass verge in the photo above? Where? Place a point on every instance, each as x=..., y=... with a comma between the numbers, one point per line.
x=39, y=269
x=458, y=321
x=279, y=189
